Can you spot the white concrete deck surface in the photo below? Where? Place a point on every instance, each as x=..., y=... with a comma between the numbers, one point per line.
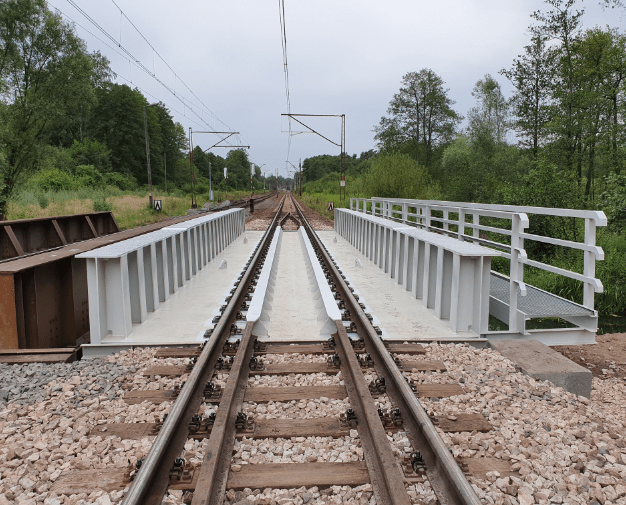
x=295, y=314
x=401, y=316
x=183, y=318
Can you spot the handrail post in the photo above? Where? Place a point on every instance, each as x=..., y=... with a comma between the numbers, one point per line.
x=405, y=210
x=427, y=217
x=461, y=228
x=476, y=221
x=589, y=263
x=516, y=272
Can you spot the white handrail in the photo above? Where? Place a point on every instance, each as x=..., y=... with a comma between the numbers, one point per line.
x=419, y=213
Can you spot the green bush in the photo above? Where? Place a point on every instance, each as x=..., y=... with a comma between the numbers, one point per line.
x=53, y=179
x=91, y=152
x=120, y=181
x=43, y=200
x=88, y=176
x=101, y=205
x=399, y=176
x=329, y=185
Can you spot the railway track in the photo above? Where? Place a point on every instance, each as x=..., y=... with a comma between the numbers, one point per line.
x=364, y=382
x=246, y=201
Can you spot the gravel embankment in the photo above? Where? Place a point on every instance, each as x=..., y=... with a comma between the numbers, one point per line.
x=565, y=448
x=45, y=422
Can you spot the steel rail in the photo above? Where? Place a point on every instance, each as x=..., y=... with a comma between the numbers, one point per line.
x=446, y=478
x=211, y=483
x=385, y=472
x=246, y=201
x=386, y=475
x=151, y=482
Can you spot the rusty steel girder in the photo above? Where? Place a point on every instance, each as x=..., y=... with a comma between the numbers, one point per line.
x=27, y=236
x=43, y=297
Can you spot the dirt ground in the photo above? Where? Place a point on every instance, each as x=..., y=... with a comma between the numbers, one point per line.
x=605, y=359
x=264, y=213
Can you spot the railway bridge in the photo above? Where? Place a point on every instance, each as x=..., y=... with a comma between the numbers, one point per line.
x=280, y=359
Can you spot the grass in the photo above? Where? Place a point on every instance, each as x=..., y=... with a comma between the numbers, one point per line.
x=130, y=209
x=319, y=203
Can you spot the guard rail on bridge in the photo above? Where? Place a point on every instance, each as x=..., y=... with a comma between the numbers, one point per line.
x=502, y=227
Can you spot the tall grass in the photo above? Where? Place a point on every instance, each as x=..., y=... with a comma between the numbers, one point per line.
x=319, y=203
x=130, y=208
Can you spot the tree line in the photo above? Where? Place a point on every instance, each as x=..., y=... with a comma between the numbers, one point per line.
x=564, y=119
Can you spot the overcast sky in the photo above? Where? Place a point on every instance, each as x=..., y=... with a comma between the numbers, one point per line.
x=345, y=57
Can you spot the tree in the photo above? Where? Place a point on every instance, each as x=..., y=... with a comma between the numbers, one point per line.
x=420, y=112
x=489, y=120
x=399, y=176
x=532, y=75
x=562, y=24
x=45, y=74
x=117, y=122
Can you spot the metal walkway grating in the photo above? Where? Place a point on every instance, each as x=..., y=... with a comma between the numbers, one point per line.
x=536, y=303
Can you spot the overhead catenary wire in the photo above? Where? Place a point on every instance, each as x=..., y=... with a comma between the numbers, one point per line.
x=176, y=76
x=187, y=104
x=283, y=40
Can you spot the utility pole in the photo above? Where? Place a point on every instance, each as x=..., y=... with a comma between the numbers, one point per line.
x=218, y=144
x=342, y=145
x=210, y=184
x=194, y=203
x=300, y=175
x=251, y=175
x=165, y=167
x=145, y=124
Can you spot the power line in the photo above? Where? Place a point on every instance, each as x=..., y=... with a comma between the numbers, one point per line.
x=117, y=74
x=283, y=40
x=155, y=98
x=132, y=59
x=168, y=66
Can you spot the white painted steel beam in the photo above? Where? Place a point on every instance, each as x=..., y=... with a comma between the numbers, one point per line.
x=129, y=279
x=449, y=276
x=330, y=305
x=258, y=301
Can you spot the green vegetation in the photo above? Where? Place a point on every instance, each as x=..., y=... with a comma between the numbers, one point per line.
x=558, y=141
x=66, y=126
x=130, y=208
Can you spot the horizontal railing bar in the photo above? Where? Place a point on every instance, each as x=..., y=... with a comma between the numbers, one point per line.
x=565, y=243
x=566, y=273
x=588, y=214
